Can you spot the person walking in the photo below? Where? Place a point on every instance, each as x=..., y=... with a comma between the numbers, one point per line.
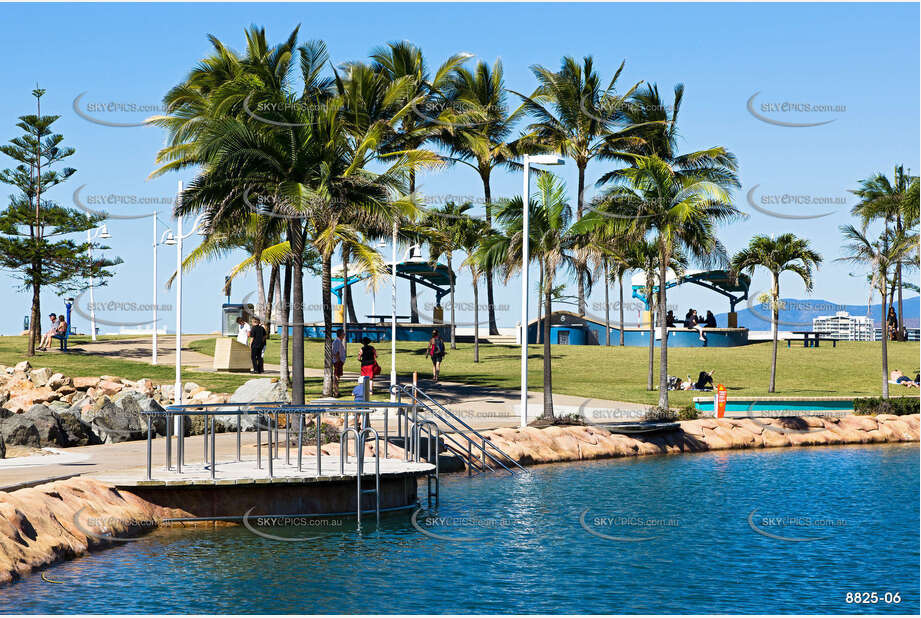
x=436, y=351
x=339, y=357
x=258, y=336
x=242, y=331
x=367, y=357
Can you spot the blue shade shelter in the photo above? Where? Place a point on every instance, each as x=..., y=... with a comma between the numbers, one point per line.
x=436, y=277
x=718, y=281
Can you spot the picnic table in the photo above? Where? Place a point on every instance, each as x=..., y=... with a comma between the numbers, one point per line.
x=387, y=316
x=811, y=339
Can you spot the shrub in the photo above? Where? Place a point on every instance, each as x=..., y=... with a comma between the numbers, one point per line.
x=898, y=406
x=688, y=413
x=660, y=415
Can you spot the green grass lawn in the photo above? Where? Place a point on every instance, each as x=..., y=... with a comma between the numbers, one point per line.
x=77, y=363
x=850, y=369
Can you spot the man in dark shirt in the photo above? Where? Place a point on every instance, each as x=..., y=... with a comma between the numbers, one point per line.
x=257, y=345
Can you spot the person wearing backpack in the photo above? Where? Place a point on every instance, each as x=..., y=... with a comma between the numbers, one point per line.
x=368, y=359
x=436, y=351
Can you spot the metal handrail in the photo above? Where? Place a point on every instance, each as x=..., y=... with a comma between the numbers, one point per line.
x=360, y=437
x=412, y=389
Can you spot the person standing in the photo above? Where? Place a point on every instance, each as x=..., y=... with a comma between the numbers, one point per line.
x=242, y=331
x=257, y=346
x=339, y=356
x=436, y=351
x=368, y=359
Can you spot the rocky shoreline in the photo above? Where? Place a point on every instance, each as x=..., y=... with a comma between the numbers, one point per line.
x=39, y=408
x=531, y=446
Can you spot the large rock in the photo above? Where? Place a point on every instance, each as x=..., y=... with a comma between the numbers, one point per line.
x=22, y=366
x=82, y=384
x=259, y=389
x=109, y=387
x=112, y=423
x=78, y=433
x=59, y=381
x=37, y=427
x=40, y=377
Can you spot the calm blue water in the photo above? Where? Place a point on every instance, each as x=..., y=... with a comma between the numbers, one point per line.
x=534, y=556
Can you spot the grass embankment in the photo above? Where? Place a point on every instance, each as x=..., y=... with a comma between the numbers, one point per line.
x=852, y=369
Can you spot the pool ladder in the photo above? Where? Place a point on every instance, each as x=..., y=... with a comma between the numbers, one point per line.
x=361, y=437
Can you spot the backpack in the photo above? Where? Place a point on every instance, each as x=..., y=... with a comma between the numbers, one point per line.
x=437, y=348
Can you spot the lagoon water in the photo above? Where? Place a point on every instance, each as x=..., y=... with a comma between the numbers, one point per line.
x=779, y=530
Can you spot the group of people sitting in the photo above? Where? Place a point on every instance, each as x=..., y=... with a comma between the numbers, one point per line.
x=692, y=320
x=58, y=330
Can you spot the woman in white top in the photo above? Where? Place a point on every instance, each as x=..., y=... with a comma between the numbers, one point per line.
x=243, y=332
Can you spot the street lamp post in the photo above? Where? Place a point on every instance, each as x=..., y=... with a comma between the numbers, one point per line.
x=177, y=240
x=393, y=312
x=100, y=232
x=525, y=250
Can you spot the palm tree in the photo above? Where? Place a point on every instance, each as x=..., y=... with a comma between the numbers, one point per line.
x=882, y=256
x=470, y=239
x=480, y=136
x=414, y=93
x=679, y=212
x=895, y=202
x=578, y=118
x=446, y=229
x=551, y=244
x=786, y=253
x=220, y=93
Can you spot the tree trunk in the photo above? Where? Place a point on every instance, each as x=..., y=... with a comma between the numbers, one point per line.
x=540, y=306
x=663, y=330
x=260, y=288
x=620, y=282
x=650, y=300
x=36, y=313
x=345, y=293
x=270, y=300
x=413, y=300
x=607, y=307
x=884, y=310
x=476, y=318
x=326, y=273
x=285, y=370
x=579, y=278
x=453, y=316
x=548, y=371
x=775, y=310
x=297, y=322
x=491, y=307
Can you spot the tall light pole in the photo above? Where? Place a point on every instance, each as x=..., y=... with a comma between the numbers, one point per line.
x=103, y=233
x=393, y=312
x=529, y=160
x=177, y=240
x=167, y=235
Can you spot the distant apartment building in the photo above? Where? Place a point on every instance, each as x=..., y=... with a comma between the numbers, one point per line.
x=844, y=326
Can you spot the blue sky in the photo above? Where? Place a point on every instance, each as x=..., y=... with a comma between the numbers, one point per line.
x=860, y=59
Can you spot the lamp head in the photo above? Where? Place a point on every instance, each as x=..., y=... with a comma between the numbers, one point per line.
x=104, y=232
x=170, y=239
x=545, y=159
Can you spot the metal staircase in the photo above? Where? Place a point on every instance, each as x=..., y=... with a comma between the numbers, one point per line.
x=477, y=452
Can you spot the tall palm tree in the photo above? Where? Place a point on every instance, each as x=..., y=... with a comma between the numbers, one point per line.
x=447, y=228
x=679, y=212
x=551, y=244
x=479, y=136
x=578, y=117
x=881, y=255
x=896, y=203
x=415, y=91
x=470, y=239
x=224, y=90
x=786, y=253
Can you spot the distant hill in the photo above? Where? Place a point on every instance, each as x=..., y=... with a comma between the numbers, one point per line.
x=797, y=313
